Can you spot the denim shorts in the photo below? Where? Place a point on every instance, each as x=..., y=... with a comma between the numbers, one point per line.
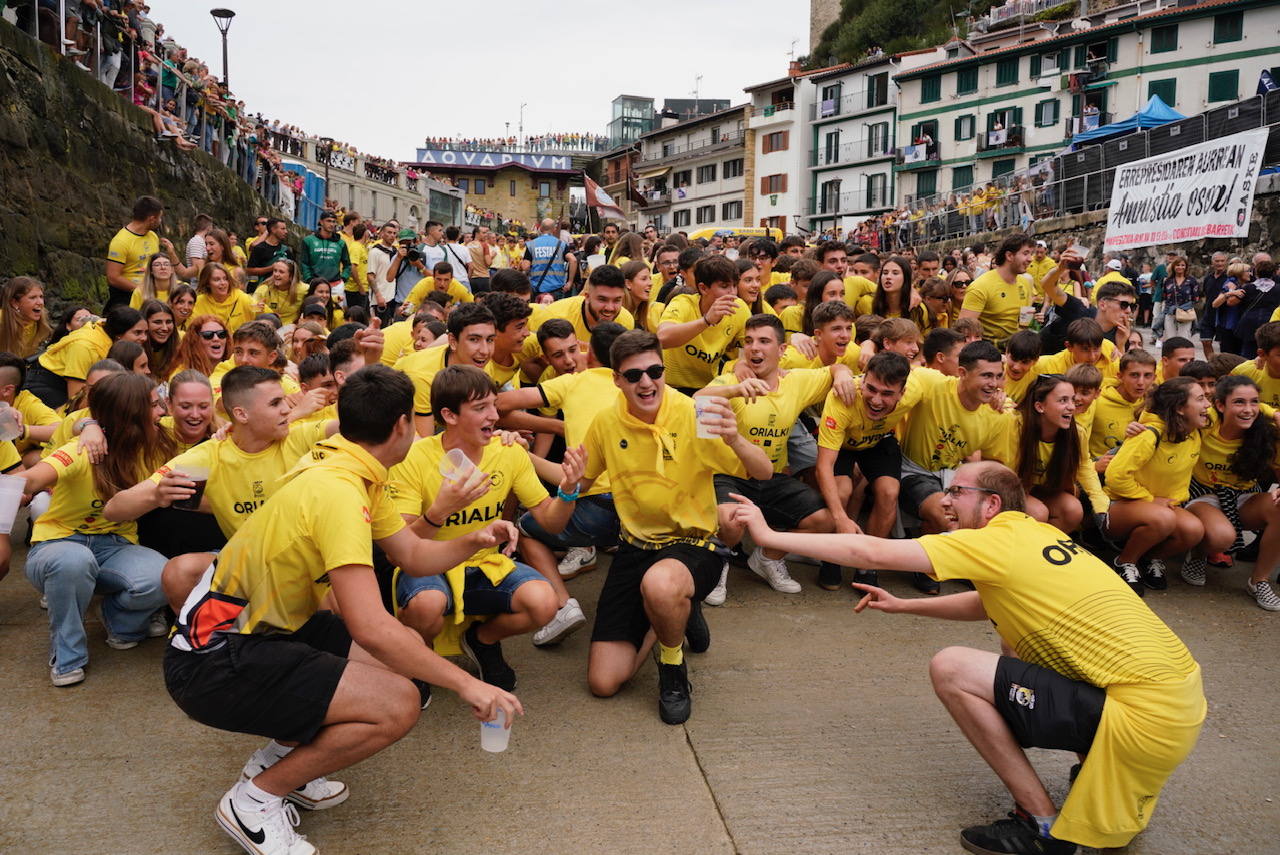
x=594, y=523
x=479, y=595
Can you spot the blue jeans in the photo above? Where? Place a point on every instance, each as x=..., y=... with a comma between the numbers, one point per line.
x=479, y=595
x=70, y=570
x=594, y=523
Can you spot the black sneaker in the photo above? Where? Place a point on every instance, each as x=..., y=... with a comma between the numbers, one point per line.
x=925, y=584
x=1155, y=575
x=830, y=576
x=696, y=631
x=1129, y=573
x=1250, y=552
x=674, y=704
x=1016, y=835
x=493, y=669
x=424, y=692
x=866, y=577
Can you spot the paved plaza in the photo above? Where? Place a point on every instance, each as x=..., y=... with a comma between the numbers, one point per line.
x=814, y=730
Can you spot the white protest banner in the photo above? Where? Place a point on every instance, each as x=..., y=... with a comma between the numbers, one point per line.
x=1201, y=191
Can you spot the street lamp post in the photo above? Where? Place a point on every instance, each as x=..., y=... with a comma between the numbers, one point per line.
x=222, y=17
x=327, y=146
x=521, y=128
x=836, y=214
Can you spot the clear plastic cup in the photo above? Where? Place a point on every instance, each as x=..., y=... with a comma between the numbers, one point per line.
x=699, y=408
x=494, y=735
x=11, y=489
x=9, y=429
x=456, y=466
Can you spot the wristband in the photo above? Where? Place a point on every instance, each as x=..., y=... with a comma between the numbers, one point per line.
x=84, y=423
x=568, y=497
x=705, y=321
x=432, y=522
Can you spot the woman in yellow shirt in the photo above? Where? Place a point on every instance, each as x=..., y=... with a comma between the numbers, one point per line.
x=75, y=552
x=220, y=253
x=162, y=339
x=205, y=344
x=60, y=371
x=321, y=292
x=1045, y=448
x=934, y=310
x=217, y=294
x=24, y=326
x=157, y=281
x=636, y=299
x=1149, y=479
x=282, y=292
x=749, y=287
x=892, y=297
x=182, y=299
x=1238, y=455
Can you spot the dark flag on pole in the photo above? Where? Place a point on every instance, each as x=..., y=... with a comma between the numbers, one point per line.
x=1266, y=83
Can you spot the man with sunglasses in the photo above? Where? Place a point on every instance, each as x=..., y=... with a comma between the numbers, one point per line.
x=259, y=232
x=1096, y=671
x=661, y=473
x=1116, y=304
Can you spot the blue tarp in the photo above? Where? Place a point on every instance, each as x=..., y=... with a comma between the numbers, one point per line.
x=1156, y=113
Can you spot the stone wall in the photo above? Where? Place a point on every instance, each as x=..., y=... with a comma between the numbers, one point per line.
x=1089, y=229
x=73, y=157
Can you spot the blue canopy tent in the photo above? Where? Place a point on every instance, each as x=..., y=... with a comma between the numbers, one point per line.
x=1156, y=113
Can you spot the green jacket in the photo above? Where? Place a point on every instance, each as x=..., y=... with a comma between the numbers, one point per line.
x=326, y=259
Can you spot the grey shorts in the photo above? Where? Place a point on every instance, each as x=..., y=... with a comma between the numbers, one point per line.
x=919, y=484
x=802, y=449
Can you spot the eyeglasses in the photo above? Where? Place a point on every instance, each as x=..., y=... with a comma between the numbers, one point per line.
x=955, y=489
x=633, y=375
x=1126, y=305
x=260, y=223
x=209, y=335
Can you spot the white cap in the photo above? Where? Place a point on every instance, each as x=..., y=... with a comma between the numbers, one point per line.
x=1115, y=264
x=1042, y=243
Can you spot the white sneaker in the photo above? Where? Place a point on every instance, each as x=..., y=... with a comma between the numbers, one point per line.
x=719, y=592
x=773, y=571
x=158, y=626
x=70, y=678
x=44, y=602
x=1263, y=593
x=119, y=643
x=266, y=832
x=317, y=794
x=579, y=559
x=568, y=620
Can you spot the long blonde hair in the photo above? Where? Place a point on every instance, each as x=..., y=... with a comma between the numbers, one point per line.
x=12, y=338
x=148, y=287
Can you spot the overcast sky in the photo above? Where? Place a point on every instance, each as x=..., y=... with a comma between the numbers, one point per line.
x=395, y=72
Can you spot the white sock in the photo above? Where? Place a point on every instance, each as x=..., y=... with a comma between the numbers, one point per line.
x=274, y=751
x=249, y=797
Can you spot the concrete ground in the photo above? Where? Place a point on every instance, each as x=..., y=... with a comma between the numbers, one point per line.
x=814, y=731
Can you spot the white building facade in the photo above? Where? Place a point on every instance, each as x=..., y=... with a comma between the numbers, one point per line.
x=692, y=172
x=776, y=166
x=970, y=119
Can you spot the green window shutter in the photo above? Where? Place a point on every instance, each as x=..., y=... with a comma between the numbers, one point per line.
x=1167, y=89
x=931, y=89
x=1035, y=65
x=927, y=183
x=957, y=131
x=961, y=177
x=1224, y=85
x=1076, y=105
x=1228, y=27
x=1164, y=39
x=1002, y=167
x=1081, y=54
x=1113, y=49
x=1017, y=117
x=1064, y=57
x=991, y=121
x=1055, y=111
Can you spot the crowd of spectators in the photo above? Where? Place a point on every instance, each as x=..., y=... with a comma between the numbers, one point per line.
x=543, y=142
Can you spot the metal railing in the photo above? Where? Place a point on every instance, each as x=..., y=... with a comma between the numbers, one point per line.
x=849, y=202
x=854, y=102
x=545, y=143
x=999, y=140
x=863, y=148
x=1069, y=183
x=670, y=150
x=1088, y=122
x=1011, y=11
x=917, y=154
x=767, y=110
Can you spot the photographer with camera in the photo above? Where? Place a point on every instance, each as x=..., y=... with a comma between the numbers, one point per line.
x=408, y=267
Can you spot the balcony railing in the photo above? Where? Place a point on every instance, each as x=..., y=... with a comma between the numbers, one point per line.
x=656, y=197
x=917, y=155
x=854, y=102
x=992, y=142
x=768, y=110
x=1088, y=122
x=380, y=173
x=671, y=150
x=850, y=202
x=865, y=148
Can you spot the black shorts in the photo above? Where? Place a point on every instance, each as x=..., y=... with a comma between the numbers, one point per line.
x=278, y=686
x=882, y=460
x=620, y=614
x=784, y=500
x=1045, y=709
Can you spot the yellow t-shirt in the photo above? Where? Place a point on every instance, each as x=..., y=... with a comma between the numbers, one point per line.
x=273, y=575
x=359, y=253
x=286, y=304
x=132, y=251
x=76, y=507
x=234, y=312
x=853, y=428
x=220, y=370
x=74, y=355
x=1112, y=413
x=998, y=303
x=1037, y=270
x=1149, y=465
x=397, y=341
x=941, y=432
x=63, y=433
x=573, y=310
x=1268, y=386
x=1086, y=476
x=34, y=412
x=423, y=287
x=792, y=358
x=422, y=366
x=792, y=318
x=857, y=287
x=581, y=397
x=767, y=421
x=239, y=482
x=864, y=306
x=1062, y=362
x=136, y=301
x=1062, y=609
x=697, y=361
x=661, y=472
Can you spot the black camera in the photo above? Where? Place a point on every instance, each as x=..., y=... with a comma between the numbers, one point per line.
x=413, y=256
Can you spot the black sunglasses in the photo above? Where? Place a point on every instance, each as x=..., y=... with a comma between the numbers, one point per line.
x=260, y=223
x=209, y=335
x=1127, y=305
x=633, y=375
